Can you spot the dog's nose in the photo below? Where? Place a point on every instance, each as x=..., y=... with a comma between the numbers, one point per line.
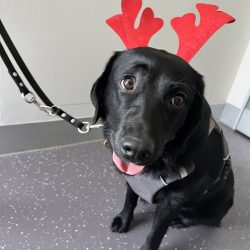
x=135, y=149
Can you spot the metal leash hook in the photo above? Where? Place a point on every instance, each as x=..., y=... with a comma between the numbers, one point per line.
x=31, y=99
x=88, y=126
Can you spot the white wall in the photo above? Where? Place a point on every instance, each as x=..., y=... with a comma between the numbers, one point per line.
x=66, y=44
x=240, y=90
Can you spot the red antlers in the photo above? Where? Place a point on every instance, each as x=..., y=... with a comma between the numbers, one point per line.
x=123, y=24
x=191, y=37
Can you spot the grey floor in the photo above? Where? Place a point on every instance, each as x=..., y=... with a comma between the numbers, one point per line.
x=65, y=198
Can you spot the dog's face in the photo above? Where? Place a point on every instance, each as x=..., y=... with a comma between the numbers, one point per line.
x=146, y=96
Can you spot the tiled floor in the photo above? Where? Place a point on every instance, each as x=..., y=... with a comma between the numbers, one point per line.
x=65, y=198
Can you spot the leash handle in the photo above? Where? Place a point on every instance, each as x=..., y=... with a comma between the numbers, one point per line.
x=28, y=96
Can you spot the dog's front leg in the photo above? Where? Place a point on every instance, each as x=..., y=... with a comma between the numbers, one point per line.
x=163, y=217
x=122, y=221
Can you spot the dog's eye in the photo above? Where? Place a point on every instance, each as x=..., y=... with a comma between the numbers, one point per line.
x=128, y=83
x=178, y=101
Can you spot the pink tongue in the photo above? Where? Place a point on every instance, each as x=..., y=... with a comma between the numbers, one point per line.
x=128, y=168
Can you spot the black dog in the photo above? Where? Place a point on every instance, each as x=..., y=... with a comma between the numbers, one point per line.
x=164, y=139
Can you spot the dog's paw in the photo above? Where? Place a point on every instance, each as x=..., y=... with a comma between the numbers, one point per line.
x=120, y=224
x=178, y=225
x=182, y=223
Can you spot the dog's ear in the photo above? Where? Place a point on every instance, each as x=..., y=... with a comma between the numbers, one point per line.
x=199, y=111
x=199, y=84
x=98, y=89
x=197, y=121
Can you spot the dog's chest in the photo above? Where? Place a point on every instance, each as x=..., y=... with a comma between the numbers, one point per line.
x=147, y=187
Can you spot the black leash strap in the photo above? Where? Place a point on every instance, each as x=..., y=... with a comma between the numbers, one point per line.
x=28, y=96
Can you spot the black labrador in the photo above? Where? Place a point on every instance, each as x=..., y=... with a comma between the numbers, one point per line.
x=165, y=141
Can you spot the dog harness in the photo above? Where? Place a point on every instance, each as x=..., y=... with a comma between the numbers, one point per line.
x=147, y=187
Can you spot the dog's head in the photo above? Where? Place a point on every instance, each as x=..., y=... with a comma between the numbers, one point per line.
x=146, y=97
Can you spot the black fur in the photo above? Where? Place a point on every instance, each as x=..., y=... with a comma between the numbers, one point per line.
x=172, y=136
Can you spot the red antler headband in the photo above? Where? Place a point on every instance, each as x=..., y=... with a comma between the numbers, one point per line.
x=191, y=37
x=123, y=24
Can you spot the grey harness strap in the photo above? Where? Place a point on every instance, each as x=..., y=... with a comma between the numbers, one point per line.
x=147, y=187
x=226, y=155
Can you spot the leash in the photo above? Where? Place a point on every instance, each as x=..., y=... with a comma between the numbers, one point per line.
x=47, y=106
